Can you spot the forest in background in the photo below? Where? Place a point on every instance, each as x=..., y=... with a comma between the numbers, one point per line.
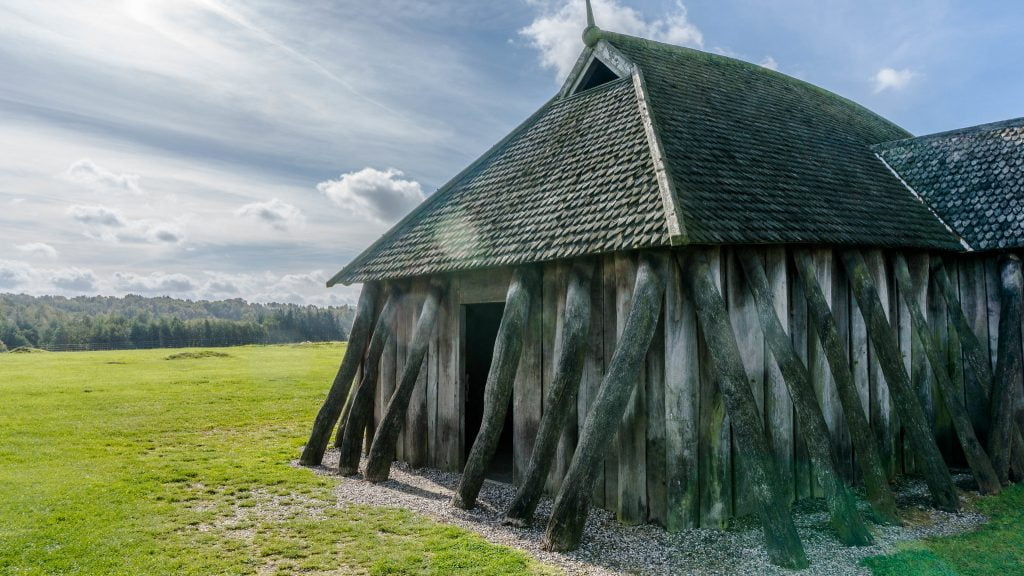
x=137, y=322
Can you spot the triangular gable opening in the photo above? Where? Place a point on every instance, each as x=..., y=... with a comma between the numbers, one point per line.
x=597, y=74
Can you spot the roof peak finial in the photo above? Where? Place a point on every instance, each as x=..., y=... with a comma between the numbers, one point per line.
x=592, y=33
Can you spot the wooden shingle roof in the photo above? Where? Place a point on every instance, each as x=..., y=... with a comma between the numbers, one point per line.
x=973, y=178
x=687, y=148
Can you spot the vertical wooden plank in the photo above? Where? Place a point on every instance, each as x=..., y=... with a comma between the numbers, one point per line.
x=821, y=374
x=778, y=406
x=450, y=400
x=883, y=420
x=387, y=380
x=992, y=283
x=860, y=356
x=656, y=465
x=555, y=286
x=800, y=334
x=975, y=305
x=416, y=415
x=593, y=367
x=682, y=401
x=527, y=392
x=611, y=462
x=633, y=429
x=905, y=341
x=715, y=454
x=434, y=458
x=401, y=337
x=841, y=312
x=945, y=434
x=747, y=327
x=920, y=371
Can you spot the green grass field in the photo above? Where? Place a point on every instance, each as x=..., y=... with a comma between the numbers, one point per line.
x=130, y=463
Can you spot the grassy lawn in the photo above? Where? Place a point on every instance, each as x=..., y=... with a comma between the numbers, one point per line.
x=997, y=549
x=129, y=463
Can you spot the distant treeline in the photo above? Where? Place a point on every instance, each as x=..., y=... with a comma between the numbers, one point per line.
x=108, y=323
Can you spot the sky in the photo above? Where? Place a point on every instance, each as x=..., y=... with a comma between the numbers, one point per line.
x=212, y=149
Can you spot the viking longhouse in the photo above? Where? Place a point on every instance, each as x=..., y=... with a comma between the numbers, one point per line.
x=689, y=288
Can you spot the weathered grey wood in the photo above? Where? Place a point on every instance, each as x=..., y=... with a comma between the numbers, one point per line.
x=632, y=484
x=450, y=400
x=715, y=446
x=974, y=355
x=416, y=445
x=362, y=398
x=593, y=370
x=809, y=406
x=337, y=396
x=568, y=436
x=403, y=328
x=821, y=377
x=879, y=494
x=524, y=287
x=800, y=335
x=920, y=370
x=974, y=304
x=937, y=476
x=561, y=395
x=1007, y=383
x=883, y=418
x=378, y=465
x=528, y=389
x=783, y=543
x=743, y=316
x=682, y=403
x=778, y=406
x=611, y=337
x=657, y=456
x=981, y=466
x=572, y=504
x=434, y=458
x=841, y=313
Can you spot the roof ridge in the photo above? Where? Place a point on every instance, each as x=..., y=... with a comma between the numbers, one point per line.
x=979, y=128
x=611, y=37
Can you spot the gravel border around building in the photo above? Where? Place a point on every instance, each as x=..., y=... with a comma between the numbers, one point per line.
x=609, y=548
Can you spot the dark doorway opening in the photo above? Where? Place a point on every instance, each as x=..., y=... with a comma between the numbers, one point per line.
x=481, y=331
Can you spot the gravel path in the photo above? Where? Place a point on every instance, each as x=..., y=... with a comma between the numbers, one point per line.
x=611, y=549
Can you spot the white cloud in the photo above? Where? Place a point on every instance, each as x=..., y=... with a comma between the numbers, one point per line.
x=274, y=213
x=110, y=225
x=769, y=63
x=75, y=280
x=38, y=249
x=556, y=32
x=14, y=274
x=890, y=78
x=156, y=283
x=381, y=195
x=86, y=173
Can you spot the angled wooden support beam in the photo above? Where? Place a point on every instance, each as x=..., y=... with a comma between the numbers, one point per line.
x=382, y=451
x=572, y=504
x=561, y=396
x=975, y=356
x=784, y=546
x=883, y=342
x=313, y=453
x=507, y=349
x=1007, y=384
x=868, y=460
x=847, y=523
x=361, y=409
x=981, y=466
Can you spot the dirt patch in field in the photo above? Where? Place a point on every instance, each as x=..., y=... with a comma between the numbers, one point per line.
x=197, y=355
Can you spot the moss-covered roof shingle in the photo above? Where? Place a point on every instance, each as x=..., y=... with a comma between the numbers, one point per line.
x=973, y=178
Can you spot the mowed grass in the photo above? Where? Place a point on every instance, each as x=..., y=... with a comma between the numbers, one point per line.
x=130, y=463
x=995, y=549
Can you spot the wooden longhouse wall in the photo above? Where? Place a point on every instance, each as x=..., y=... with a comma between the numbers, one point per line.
x=673, y=461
